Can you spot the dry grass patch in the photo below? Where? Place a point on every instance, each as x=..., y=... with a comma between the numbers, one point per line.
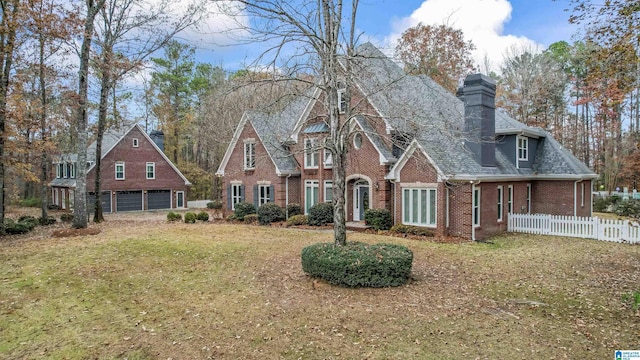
x=147, y=289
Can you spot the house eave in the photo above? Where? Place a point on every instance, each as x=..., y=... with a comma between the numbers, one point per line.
x=497, y=178
x=288, y=173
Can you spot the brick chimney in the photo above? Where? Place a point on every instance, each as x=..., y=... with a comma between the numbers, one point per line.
x=158, y=137
x=479, y=96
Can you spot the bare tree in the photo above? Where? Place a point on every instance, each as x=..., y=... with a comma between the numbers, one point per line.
x=324, y=33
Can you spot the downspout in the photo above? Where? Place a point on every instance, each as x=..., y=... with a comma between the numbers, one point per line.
x=395, y=203
x=575, y=197
x=286, y=196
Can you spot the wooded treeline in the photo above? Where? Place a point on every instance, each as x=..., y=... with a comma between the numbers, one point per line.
x=585, y=93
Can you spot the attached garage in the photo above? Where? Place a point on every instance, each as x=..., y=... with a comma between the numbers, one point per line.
x=129, y=200
x=158, y=199
x=105, y=199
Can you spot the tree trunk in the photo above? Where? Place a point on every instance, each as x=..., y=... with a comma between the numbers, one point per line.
x=43, y=129
x=105, y=88
x=80, y=206
x=7, y=41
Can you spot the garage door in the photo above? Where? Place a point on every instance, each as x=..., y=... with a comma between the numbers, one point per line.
x=158, y=199
x=105, y=199
x=128, y=200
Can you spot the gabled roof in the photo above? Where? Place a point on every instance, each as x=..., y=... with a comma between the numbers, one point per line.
x=418, y=106
x=275, y=132
x=110, y=139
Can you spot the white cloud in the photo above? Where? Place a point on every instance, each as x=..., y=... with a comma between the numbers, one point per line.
x=481, y=21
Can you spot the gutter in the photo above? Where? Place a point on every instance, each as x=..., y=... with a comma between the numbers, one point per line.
x=491, y=178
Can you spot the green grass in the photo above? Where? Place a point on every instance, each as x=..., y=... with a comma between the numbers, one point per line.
x=159, y=290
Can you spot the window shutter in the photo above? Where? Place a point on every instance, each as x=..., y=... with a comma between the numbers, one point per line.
x=255, y=195
x=229, y=196
x=271, y=193
x=242, y=193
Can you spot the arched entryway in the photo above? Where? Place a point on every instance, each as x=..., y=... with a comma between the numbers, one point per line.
x=359, y=188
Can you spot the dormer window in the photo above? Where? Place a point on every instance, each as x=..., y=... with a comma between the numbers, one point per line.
x=135, y=142
x=523, y=148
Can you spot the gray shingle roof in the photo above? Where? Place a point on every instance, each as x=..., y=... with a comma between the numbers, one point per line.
x=420, y=107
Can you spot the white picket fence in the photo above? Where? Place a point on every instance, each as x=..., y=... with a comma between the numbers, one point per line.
x=624, y=231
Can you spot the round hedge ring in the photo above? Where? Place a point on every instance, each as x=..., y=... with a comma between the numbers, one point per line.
x=358, y=264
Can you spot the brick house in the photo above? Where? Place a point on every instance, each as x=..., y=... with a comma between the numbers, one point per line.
x=136, y=174
x=451, y=163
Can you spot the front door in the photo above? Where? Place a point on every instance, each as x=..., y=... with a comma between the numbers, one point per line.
x=360, y=201
x=180, y=199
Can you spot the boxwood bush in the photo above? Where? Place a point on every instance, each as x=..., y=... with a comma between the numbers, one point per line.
x=293, y=210
x=270, y=212
x=203, y=216
x=412, y=230
x=243, y=209
x=190, y=217
x=378, y=219
x=11, y=227
x=49, y=220
x=358, y=264
x=173, y=216
x=297, y=220
x=250, y=219
x=320, y=214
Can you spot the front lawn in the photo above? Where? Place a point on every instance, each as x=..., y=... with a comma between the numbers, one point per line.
x=150, y=289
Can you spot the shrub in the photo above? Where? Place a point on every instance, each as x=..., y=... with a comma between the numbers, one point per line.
x=243, y=209
x=31, y=202
x=215, y=204
x=190, y=217
x=231, y=217
x=270, y=212
x=379, y=219
x=293, y=210
x=11, y=227
x=53, y=207
x=358, y=264
x=173, y=216
x=629, y=208
x=49, y=220
x=601, y=204
x=28, y=219
x=411, y=230
x=203, y=216
x=320, y=214
x=297, y=220
x=66, y=217
x=251, y=219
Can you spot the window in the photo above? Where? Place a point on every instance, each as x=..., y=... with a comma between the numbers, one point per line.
x=310, y=154
x=236, y=195
x=135, y=142
x=151, y=170
x=357, y=141
x=119, y=171
x=72, y=170
x=310, y=194
x=476, y=206
x=65, y=170
x=59, y=170
x=419, y=206
x=342, y=99
x=529, y=198
x=523, y=148
x=264, y=194
x=500, y=200
x=249, y=155
x=510, y=200
x=328, y=191
x=328, y=159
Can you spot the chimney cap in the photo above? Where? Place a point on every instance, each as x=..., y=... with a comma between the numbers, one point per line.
x=480, y=79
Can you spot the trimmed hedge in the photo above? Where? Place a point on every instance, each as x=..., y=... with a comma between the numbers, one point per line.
x=270, y=212
x=243, y=209
x=358, y=264
x=190, y=217
x=378, y=219
x=214, y=204
x=411, y=230
x=203, y=216
x=250, y=219
x=297, y=220
x=320, y=214
x=293, y=210
x=172, y=216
